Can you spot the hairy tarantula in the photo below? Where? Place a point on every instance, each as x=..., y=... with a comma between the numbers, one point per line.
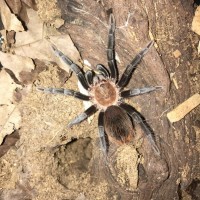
x=105, y=91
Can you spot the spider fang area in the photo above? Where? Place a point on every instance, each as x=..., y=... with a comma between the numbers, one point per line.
x=104, y=94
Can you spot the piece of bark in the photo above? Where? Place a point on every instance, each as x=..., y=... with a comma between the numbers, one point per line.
x=135, y=21
x=184, y=108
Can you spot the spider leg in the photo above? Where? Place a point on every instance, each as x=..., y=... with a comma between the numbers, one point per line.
x=110, y=50
x=67, y=92
x=138, y=119
x=89, y=76
x=138, y=91
x=75, y=68
x=103, y=70
x=102, y=132
x=132, y=66
x=87, y=113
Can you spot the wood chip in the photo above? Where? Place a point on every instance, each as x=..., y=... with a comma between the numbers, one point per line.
x=173, y=78
x=184, y=108
x=196, y=21
x=177, y=53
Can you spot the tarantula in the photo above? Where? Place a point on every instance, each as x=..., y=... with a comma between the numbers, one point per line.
x=106, y=92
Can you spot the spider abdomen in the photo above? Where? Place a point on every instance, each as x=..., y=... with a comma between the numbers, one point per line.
x=118, y=124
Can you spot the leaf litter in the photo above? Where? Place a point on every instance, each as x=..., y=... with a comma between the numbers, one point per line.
x=9, y=20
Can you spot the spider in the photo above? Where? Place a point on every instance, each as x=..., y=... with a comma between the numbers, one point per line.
x=106, y=92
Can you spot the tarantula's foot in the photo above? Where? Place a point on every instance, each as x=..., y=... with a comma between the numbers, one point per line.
x=77, y=120
x=153, y=145
x=63, y=91
x=132, y=66
x=139, y=91
x=158, y=87
x=87, y=113
x=45, y=90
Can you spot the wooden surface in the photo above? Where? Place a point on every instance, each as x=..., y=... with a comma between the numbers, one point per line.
x=168, y=23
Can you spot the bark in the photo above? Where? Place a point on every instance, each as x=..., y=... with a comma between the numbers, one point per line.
x=168, y=23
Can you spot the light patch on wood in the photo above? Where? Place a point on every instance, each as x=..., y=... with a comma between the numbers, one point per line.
x=172, y=77
x=117, y=57
x=86, y=62
x=185, y=172
x=197, y=132
x=184, y=108
x=177, y=53
x=196, y=21
x=152, y=38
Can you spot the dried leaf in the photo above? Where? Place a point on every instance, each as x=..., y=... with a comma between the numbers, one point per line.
x=22, y=190
x=34, y=32
x=42, y=50
x=16, y=64
x=30, y=3
x=9, y=114
x=15, y=5
x=33, y=44
x=9, y=141
x=9, y=20
x=184, y=108
x=10, y=120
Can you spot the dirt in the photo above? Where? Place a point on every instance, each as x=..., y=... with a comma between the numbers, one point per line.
x=51, y=161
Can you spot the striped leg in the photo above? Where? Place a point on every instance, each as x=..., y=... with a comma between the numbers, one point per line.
x=67, y=92
x=130, y=68
x=102, y=132
x=110, y=50
x=103, y=70
x=138, y=91
x=89, y=76
x=138, y=119
x=87, y=113
x=75, y=68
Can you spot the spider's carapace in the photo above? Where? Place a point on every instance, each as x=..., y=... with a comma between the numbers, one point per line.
x=104, y=94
